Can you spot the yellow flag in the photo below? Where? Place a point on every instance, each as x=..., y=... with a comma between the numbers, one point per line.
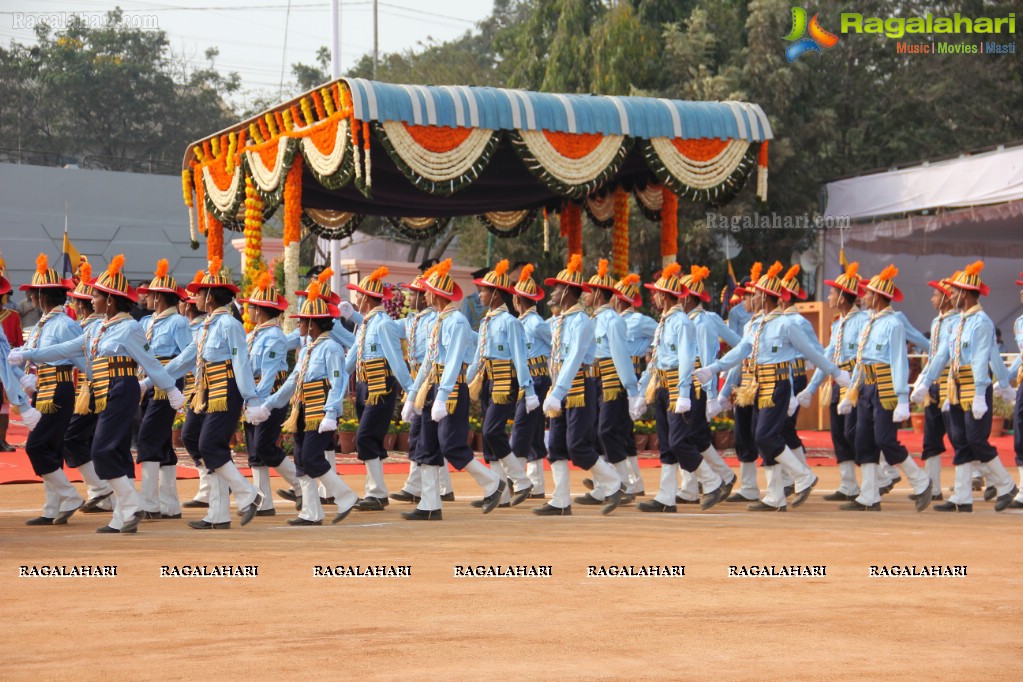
x=71, y=257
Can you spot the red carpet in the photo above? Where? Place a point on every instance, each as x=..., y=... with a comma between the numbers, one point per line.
x=15, y=467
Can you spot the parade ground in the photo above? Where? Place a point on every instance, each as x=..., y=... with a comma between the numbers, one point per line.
x=286, y=621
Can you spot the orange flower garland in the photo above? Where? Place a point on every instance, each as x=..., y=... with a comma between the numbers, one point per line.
x=214, y=237
x=572, y=227
x=293, y=202
x=254, y=265
x=620, y=235
x=669, y=225
x=200, y=199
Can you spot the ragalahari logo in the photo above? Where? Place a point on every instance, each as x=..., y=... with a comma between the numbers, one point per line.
x=818, y=38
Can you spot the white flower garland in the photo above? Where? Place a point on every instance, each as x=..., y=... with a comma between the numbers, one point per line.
x=651, y=197
x=327, y=164
x=700, y=174
x=290, y=283
x=223, y=199
x=762, y=183
x=437, y=167
x=268, y=179
x=572, y=171
x=602, y=208
x=506, y=220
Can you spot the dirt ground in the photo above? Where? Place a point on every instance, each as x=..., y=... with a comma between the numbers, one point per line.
x=287, y=624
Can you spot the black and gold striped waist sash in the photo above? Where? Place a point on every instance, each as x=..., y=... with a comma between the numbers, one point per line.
x=314, y=402
x=538, y=366
x=435, y=377
x=666, y=379
x=697, y=386
x=279, y=379
x=880, y=375
x=961, y=387
x=577, y=392
x=798, y=367
x=374, y=373
x=211, y=392
x=828, y=388
x=189, y=386
x=943, y=385
x=499, y=372
x=639, y=364
x=47, y=378
x=159, y=393
x=610, y=383
x=104, y=368
x=761, y=389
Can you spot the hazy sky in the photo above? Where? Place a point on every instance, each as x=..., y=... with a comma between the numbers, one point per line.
x=251, y=33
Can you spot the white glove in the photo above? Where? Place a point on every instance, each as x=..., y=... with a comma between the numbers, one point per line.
x=713, y=408
x=551, y=405
x=901, y=412
x=703, y=375
x=28, y=382
x=16, y=358
x=346, y=309
x=979, y=406
x=145, y=385
x=845, y=407
x=919, y=394
x=327, y=425
x=408, y=411
x=945, y=406
x=176, y=398
x=532, y=402
x=793, y=406
x=1006, y=393
x=257, y=415
x=804, y=398
x=725, y=400
x=682, y=405
x=637, y=407
x=843, y=379
x=30, y=416
x=439, y=411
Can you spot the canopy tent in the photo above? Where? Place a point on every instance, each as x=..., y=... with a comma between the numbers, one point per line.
x=932, y=219
x=419, y=155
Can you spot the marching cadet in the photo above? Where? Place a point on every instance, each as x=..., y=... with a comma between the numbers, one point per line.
x=196, y=318
x=381, y=374
x=495, y=376
x=168, y=335
x=880, y=391
x=668, y=386
x=935, y=420
x=572, y=401
x=11, y=387
x=640, y=330
x=972, y=352
x=527, y=436
x=268, y=356
x=344, y=337
x=1016, y=375
x=845, y=334
x=710, y=330
x=772, y=347
x=82, y=427
x=617, y=387
x=115, y=350
x=54, y=388
x=797, y=369
x=441, y=395
x=315, y=390
x=223, y=384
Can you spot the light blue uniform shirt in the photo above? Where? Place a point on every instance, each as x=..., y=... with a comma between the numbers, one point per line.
x=455, y=342
x=417, y=327
x=854, y=322
x=57, y=330
x=734, y=376
x=168, y=335
x=941, y=327
x=269, y=355
x=640, y=330
x=473, y=310
x=911, y=333
x=676, y=347
x=709, y=329
x=778, y=344
x=611, y=341
x=12, y=385
x=326, y=362
x=1017, y=330
x=123, y=338
x=739, y=317
x=536, y=333
x=978, y=349
x=886, y=345
x=379, y=339
x=576, y=341
x=504, y=341
x=225, y=340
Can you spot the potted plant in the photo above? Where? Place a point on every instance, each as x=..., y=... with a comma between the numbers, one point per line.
x=723, y=432
x=403, y=436
x=917, y=418
x=1001, y=411
x=179, y=423
x=475, y=433
x=641, y=430
x=346, y=435
x=391, y=438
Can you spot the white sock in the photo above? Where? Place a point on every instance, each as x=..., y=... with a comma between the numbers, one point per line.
x=710, y=480
x=312, y=510
x=220, y=498
x=849, y=486
x=998, y=476
x=287, y=471
x=96, y=485
x=444, y=476
x=689, y=488
x=535, y=472
x=917, y=478
x=800, y=454
x=605, y=479
x=799, y=472
x=344, y=497
x=562, y=496
x=244, y=492
x=127, y=501
x=623, y=473
x=261, y=481
x=65, y=494
x=430, y=498
x=717, y=465
x=636, y=485
x=514, y=471
x=668, y=488
x=375, y=485
x=932, y=466
x=870, y=492
x=963, y=491
x=413, y=482
x=775, y=486
x=149, y=490
x=170, y=505
x=748, y=478
x=203, y=494
x=487, y=479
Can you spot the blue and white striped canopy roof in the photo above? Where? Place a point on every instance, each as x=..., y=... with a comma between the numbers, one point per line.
x=500, y=109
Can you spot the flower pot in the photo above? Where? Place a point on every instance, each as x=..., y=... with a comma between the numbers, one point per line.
x=389, y=441
x=641, y=440
x=997, y=425
x=346, y=442
x=724, y=440
x=918, y=419
x=176, y=438
x=403, y=441
x=653, y=443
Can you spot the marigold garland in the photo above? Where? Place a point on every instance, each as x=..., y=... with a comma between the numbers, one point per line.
x=293, y=202
x=572, y=226
x=620, y=235
x=214, y=237
x=186, y=191
x=200, y=200
x=254, y=264
x=669, y=224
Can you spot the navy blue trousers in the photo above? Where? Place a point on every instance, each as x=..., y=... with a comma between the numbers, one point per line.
x=934, y=427
x=969, y=436
x=613, y=424
x=261, y=440
x=45, y=444
x=311, y=448
x=769, y=423
x=527, y=432
x=790, y=433
x=495, y=420
x=447, y=439
x=154, y=439
x=674, y=437
x=207, y=436
x=111, y=443
x=78, y=439
x=573, y=432
x=876, y=433
x=1017, y=426
x=843, y=431
x=374, y=420
x=745, y=445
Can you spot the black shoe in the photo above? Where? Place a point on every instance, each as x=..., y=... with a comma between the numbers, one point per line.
x=62, y=517
x=151, y=516
x=404, y=496
x=133, y=522
x=790, y=490
x=1015, y=505
x=491, y=501
x=737, y=497
x=681, y=500
x=760, y=506
x=727, y=487
x=330, y=500
x=978, y=484
x=612, y=501
x=548, y=510
x=838, y=496
x=447, y=497
x=206, y=525
x=937, y=498
x=92, y=506
x=885, y=489
x=371, y=504
x=802, y=495
x=195, y=504
x=521, y=496
x=422, y=515
x=587, y=500
x=341, y=515
x=299, y=521
x=107, y=529
x=712, y=498
x=853, y=505
x=990, y=493
x=588, y=483
x=250, y=511
x=289, y=495
x=627, y=499
x=655, y=506
x=6, y=447
x=266, y=512
x=1001, y=503
x=535, y=496
x=952, y=507
x=923, y=500
x=40, y=521
x=172, y=516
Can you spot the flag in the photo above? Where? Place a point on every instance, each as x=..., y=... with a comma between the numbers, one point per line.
x=726, y=293
x=842, y=259
x=71, y=257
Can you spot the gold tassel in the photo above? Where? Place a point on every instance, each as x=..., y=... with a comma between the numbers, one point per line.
x=84, y=398
x=889, y=403
x=651, y=389
x=198, y=403
x=101, y=404
x=610, y=394
x=476, y=386
x=312, y=424
x=575, y=401
x=500, y=398
x=421, y=395
x=852, y=395
x=452, y=402
x=217, y=405
x=765, y=401
x=827, y=390
x=953, y=391
x=745, y=396
x=159, y=394
x=290, y=424
x=46, y=406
